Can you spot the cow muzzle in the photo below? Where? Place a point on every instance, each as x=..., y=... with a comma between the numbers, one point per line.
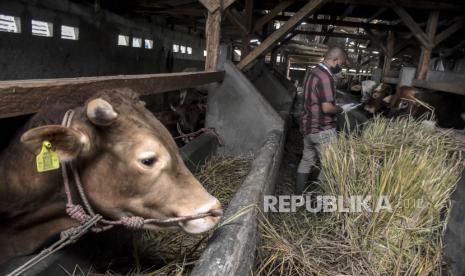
x=197, y=226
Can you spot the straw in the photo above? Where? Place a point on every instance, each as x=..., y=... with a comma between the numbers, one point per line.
x=416, y=167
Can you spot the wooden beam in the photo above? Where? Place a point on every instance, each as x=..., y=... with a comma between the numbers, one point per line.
x=413, y=26
x=173, y=12
x=401, y=46
x=298, y=17
x=305, y=55
x=28, y=96
x=248, y=14
x=425, y=55
x=213, y=5
x=234, y=16
x=449, y=31
x=456, y=88
x=414, y=4
x=388, y=54
x=376, y=39
x=288, y=38
x=353, y=36
x=213, y=35
x=344, y=23
x=376, y=14
x=273, y=13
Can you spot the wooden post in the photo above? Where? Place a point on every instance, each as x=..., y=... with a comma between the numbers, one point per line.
x=248, y=25
x=213, y=34
x=214, y=5
x=294, y=21
x=413, y=26
x=426, y=50
x=288, y=68
x=388, y=53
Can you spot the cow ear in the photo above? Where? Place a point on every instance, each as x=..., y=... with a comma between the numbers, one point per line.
x=68, y=143
x=101, y=112
x=387, y=99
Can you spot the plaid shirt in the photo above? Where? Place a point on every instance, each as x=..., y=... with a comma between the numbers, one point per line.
x=319, y=88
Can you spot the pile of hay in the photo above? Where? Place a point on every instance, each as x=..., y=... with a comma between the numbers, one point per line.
x=416, y=167
x=175, y=253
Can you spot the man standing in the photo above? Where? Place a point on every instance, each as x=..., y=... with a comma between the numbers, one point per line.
x=319, y=115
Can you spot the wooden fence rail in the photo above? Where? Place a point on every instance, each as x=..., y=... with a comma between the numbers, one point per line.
x=21, y=97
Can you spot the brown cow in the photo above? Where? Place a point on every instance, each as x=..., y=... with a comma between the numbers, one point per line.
x=447, y=108
x=379, y=100
x=183, y=119
x=128, y=163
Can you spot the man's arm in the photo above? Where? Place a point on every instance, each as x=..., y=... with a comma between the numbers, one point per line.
x=326, y=95
x=331, y=108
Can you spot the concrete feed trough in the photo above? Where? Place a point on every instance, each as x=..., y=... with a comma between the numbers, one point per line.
x=246, y=121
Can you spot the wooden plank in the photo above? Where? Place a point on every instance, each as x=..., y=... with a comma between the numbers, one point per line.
x=193, y=12
x=27, y=96
x=298, y=17
x=344, y=35
x=456, y=88
x=213, y=34
x=214, y=5
x=449, y=31
x=413, y=26
x=425, y=55
x=273, y=13
x=414, y=4
x=345, y=23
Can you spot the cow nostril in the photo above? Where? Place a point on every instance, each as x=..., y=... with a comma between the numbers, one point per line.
x=216, y=212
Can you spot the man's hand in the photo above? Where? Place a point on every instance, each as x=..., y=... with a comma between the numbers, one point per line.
x=349, y=107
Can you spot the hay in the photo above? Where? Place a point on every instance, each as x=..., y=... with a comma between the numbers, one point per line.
x=175, y=253
x=415, y=167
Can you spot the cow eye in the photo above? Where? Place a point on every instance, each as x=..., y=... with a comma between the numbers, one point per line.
x=148, y=162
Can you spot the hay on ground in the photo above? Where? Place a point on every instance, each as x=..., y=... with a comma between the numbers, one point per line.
x=415, y=167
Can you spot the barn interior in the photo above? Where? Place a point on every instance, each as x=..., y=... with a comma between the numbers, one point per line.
x=227, y=78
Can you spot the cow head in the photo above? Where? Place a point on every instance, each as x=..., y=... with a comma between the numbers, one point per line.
x=128, y=161
x=190, y=116
x=407, y=101
x=379, y=100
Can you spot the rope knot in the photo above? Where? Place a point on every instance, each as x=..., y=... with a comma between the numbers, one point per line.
x=69, y=233
x=77, y=212
x=132, y=222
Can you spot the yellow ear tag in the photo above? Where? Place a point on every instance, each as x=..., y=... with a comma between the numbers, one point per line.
x=47, y=159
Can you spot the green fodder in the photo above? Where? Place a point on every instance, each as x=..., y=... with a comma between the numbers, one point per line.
x=413, y=167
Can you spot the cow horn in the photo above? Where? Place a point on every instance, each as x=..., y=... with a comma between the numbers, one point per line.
x=100, y=112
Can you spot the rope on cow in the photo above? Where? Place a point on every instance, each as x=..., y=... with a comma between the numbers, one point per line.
x=67, y=237
x=202, y=130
